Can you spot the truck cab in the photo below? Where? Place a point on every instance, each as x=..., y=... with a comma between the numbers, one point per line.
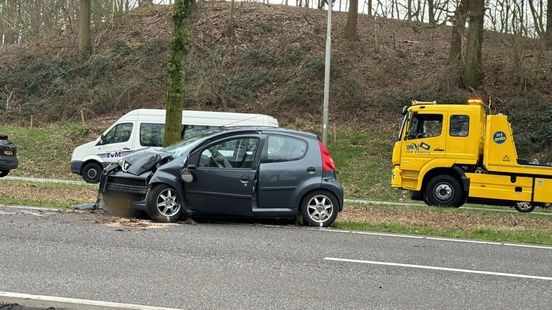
x=447, y=154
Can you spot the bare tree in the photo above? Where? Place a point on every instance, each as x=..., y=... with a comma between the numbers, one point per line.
x=351, y=32
x=10, y=34
x=457, y=35
x=84, y=28
x=537, y=19
x=473, y=69
x=548, y=38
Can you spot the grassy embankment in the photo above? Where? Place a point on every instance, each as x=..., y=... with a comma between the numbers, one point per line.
x=363, y=161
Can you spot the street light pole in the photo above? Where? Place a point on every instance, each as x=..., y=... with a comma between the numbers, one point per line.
x=327, y=73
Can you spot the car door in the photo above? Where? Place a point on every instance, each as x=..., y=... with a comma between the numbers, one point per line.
x=116, y=143
x=224, y=176
x=286, y=165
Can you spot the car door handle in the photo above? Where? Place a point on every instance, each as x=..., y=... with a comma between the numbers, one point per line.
x=439, y=150
x=245, y=179
x=126, y=149
x=311, y=170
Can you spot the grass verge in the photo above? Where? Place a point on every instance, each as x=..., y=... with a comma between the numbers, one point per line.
x=451, y=223
x=46, y=194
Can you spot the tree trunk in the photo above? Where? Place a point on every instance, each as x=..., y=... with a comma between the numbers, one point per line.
x=351, y=32
x=10, y=35
x=458, y=28
x=431, y=11
x=369, y=7
x=175, y=73
x=84, y=29
x=549, y=26
x=473, y=69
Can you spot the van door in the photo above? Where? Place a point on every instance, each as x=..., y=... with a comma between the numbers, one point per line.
x=116, y=143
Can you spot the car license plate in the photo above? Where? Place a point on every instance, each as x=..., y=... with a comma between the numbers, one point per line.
x=8, y=152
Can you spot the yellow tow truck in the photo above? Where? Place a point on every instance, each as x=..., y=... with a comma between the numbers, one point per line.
x=448, y=154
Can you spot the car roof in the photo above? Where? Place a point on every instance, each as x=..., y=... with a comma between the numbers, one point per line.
x=264, y=130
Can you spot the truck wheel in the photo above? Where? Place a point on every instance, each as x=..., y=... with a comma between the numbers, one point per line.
x=524, y=207
x=91, y=172
x=444, y=190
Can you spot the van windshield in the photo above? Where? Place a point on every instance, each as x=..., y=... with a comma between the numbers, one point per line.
x=191, y=141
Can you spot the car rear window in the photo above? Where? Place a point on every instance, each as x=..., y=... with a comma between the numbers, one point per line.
x=285, y=148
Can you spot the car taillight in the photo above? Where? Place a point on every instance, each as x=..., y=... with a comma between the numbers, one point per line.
x=328, y=163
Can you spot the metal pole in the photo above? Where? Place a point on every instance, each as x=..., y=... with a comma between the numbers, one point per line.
x=327, y=74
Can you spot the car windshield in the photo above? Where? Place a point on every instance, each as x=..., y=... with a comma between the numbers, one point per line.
x=179, y=148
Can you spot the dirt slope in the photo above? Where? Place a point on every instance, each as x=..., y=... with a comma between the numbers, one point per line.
x=273, y=62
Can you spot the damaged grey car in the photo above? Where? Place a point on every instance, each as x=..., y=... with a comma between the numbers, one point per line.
x=247, y=172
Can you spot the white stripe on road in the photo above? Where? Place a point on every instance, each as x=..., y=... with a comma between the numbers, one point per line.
x=78, y=302
x=512, y=275
x=432, y=238
x=42, y=180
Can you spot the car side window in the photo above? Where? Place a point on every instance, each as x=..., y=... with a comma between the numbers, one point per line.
x=118, y=134
x=284, y=148
x=459, y=126
x=232, y=153
x=425, y=126
x=152, y=134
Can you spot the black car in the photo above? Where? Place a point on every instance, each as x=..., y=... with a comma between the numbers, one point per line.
x=246, y=172
x=8, y=156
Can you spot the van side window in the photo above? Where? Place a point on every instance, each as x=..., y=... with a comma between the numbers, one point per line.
x=283, y=148
x=425, y=126
x=459, y=125
x=152, y=134
x=118, y=134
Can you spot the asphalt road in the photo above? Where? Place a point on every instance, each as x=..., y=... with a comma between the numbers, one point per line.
x=244, y=265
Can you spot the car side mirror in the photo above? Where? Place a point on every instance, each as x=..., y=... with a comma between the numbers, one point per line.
x=102, y=139
x=187, y=175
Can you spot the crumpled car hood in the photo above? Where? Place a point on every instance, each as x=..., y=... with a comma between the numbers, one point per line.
x=142, y=161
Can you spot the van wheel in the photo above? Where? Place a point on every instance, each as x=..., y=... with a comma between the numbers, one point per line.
x=524, y=207
x=163, y=205
x=319, y=209
x=444, y=190
x=4, y=173
x=91, y=172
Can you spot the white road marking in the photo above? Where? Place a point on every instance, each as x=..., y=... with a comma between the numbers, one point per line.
x=42, y=180
x=501, y=274
x=79, y=302
x=52, y=209
x=406, y=204
x=543, y=247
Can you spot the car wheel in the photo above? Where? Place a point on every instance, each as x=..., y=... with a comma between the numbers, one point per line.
x=524, y=207
x=444, y=190
x=163, y=205
x=91, y=172
x=4, y=173
x=319, y=209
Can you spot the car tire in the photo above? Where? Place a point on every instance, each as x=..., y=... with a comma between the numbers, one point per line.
x=444, y=190
x=163, y=204
x=4, y=173
x=319, y=208
x=91, y=172
x=524, y=207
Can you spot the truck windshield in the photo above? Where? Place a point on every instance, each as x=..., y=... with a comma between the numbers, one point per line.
x=403, y=123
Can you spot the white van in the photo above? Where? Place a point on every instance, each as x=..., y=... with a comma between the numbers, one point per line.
x=144, y=128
